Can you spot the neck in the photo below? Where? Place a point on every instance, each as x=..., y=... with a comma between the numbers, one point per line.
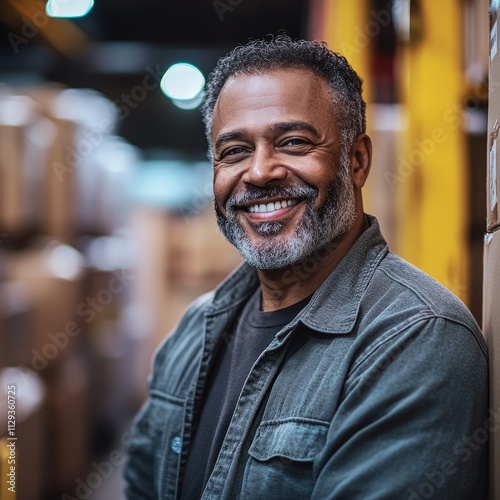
x=285, y=287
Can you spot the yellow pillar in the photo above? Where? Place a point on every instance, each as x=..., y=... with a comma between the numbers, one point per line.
x=431, y=175
x=346, y=27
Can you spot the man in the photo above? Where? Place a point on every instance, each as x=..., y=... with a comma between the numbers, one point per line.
x=325, y=366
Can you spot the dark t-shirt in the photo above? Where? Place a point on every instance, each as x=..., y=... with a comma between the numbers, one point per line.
x=250, y=334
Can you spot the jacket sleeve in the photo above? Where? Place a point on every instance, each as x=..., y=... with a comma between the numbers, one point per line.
x=413, y=422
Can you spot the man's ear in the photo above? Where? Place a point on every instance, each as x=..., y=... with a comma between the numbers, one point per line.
x=361, y=160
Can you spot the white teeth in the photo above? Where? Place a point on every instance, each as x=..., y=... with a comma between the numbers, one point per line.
x=272, y=206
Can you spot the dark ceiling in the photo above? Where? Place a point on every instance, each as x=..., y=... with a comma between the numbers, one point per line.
x=124, y=38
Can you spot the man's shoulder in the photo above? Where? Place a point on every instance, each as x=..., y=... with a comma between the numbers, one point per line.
x=189, y=328
x=415, y=290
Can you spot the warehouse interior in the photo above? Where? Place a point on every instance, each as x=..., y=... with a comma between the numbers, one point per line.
x=106, y=226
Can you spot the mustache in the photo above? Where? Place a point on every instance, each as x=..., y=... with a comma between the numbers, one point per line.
x=255, y=193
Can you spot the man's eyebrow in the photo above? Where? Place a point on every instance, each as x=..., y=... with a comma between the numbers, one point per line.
x=295, y=125
x=228, y=136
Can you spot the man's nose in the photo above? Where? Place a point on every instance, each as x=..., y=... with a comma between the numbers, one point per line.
x=265, y=167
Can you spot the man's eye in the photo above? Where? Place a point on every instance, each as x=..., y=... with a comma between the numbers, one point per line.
x=236, y=150
x=294, y=141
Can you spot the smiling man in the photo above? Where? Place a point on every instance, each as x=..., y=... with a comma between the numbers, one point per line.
x=325, y=366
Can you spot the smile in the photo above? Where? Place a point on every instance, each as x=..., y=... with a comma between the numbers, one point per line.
x=272, y=206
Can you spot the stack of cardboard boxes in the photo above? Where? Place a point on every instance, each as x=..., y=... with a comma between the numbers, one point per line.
x=491, y=311
x=62, y=189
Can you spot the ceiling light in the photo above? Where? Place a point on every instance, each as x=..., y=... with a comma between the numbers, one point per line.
x=182, y=81
x=68, y=8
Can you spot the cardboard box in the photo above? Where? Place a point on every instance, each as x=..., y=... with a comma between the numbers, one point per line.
x=20, y=171
x=60, y=218
x=476, y=44
x=491, y=329
x=25, y=136
x=76, y=190
x=53, y=276
x=493, y=219
x=17, y=320
x=69, y=427
x=386, y=124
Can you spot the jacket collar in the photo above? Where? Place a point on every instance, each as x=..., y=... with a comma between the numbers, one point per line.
x=340, y=294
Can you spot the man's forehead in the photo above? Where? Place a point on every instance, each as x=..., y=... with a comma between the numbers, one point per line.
x=278, y=95
x=273, y=86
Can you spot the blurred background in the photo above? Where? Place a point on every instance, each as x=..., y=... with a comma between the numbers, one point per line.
x=106, y=226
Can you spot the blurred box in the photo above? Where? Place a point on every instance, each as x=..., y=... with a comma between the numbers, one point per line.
x=12, y=210
x=84, y=171
x=198, y=253
x=17, y=319
x=151, y=287
x=52, y=274
x=69, y=426
x=104, y=183
x=110, y=351
x=475, y=45
x=184, y=242
x=385, y=130
x=24, y=136
x=218, y=257
x=60, y=218
x=37, y=168
x=493, y=123
x=491, y=329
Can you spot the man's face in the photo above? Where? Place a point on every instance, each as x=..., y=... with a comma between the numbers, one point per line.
x=282, y=179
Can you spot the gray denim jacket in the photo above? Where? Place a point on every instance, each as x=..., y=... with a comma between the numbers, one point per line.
x=387, y=399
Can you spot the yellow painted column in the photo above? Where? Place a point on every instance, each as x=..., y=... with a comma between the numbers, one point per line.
x=347, y=27
x=346, y=31
x=430, y=179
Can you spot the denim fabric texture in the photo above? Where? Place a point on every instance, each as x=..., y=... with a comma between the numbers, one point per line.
x=387, y=398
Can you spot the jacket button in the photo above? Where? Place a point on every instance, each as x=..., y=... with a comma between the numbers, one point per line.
x=176, y=444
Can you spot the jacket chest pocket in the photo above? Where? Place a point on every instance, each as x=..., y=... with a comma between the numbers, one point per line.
x=280, y=463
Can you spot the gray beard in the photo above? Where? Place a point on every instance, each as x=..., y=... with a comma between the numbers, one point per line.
x=316, y=230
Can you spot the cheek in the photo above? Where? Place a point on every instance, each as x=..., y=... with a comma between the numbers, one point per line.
x=223, y=186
